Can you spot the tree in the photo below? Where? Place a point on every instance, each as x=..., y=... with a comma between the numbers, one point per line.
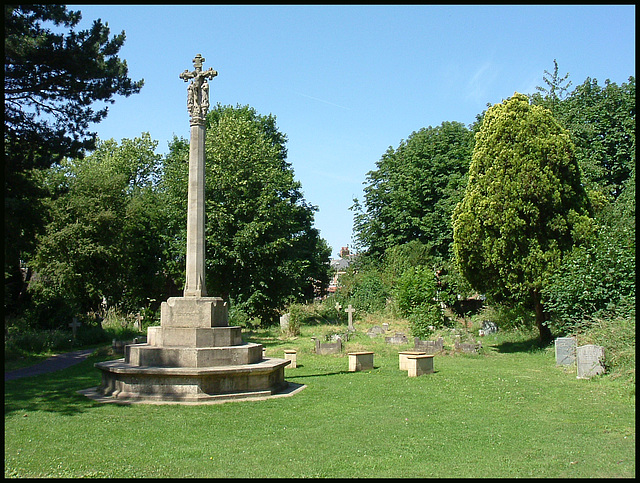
x=101, y=240
x=262, y=250
x=556, y=90
x=411, y=194
x=524, y=206
x=602, y=123
x=598, y=278
x=51, y=81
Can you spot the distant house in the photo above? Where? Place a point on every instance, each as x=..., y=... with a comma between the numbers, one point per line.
x=339, y=267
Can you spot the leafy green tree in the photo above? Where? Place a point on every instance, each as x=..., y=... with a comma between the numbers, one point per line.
x=262, y=250
x=101, y=240
x=51, y=82
x=601, y=121
x=411, y=194
x=524, y=205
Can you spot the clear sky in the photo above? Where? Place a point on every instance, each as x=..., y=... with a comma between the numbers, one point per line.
x=346, y=82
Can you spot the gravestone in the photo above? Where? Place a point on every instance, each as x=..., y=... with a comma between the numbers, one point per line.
x=375, y=331
x=284, y=322
x=429, y=346
x=385, y=326
x=74, y=327
x=488, y=327
x=466, y=347
x=397, y=338
x=565, y=351
x=350, y=310
x=328, y=347
x=589, y=360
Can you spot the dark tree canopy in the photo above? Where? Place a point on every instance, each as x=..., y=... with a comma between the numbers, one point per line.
x=51, y=81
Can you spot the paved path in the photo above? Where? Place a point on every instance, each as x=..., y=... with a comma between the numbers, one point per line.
x=54, y=363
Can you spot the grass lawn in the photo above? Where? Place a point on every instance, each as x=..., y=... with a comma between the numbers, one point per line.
x=506, y=412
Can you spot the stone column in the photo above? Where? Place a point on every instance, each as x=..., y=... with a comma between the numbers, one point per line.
x=195, y=272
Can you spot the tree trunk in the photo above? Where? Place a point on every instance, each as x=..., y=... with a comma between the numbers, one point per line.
x=545, y=332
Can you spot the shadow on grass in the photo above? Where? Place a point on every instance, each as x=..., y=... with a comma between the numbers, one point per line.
x=55, y=391
x=302, y=376
x=530, y=345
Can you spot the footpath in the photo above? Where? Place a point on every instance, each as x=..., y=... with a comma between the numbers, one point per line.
x=52, y=364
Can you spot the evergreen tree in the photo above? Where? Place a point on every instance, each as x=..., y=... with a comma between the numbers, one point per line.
x=524, y=205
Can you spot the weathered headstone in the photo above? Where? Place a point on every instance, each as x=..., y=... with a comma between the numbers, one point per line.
x=385, y=326
x=429, y=346
x=565, y=351
x=328, y=347
x=466, y=347
x=589, y=360
x=397, y=338
x=488, y=327
x=350, y=310
x=284, y=322
x=375, y=331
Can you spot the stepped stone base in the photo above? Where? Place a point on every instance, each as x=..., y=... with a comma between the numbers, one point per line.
x=193, y=356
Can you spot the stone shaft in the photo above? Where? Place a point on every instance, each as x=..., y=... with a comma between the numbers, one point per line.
x=195, y=272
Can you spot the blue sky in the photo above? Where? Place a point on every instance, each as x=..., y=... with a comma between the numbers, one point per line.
x=346, y=82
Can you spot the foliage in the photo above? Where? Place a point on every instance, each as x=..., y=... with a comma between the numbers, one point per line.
x=261, y=246
x=601, y=121
x=599, y=277
x=524, y=204
x=51, y=82
x=411, y=194
x=99, y=243
x=416, y=299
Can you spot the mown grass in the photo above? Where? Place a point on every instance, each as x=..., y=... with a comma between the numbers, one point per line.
x=506, y=412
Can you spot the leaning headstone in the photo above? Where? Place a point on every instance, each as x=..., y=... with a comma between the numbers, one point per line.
x=565, y=351
x=589, y=359
x=398, y=338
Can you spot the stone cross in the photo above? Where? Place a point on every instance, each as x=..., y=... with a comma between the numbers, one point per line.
x=198, y=106
x=350, y=310
x=74, y=327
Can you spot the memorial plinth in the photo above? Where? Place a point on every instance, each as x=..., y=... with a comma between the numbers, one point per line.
x=194, y=355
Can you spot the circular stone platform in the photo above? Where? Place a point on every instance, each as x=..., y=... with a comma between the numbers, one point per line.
x=126, y=383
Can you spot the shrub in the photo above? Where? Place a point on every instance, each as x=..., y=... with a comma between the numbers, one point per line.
x=415, y=298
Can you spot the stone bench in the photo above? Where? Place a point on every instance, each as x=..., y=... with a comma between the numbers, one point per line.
x=291, y=355
x=360, y=361
x=420, y=364
x=402, y=358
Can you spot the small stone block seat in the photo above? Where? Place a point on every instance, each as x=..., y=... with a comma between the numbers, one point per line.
x=402, y=358
x=360, y=361
x=291, y=355
x=419, y=365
